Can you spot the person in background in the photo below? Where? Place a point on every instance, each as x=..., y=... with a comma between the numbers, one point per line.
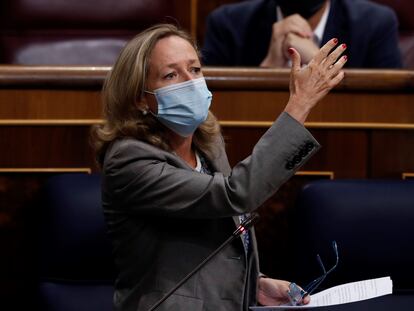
x=169, y=195
x=260, y=32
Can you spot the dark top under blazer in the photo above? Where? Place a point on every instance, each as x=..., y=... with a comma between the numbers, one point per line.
x=164, y=218
x=239, y=34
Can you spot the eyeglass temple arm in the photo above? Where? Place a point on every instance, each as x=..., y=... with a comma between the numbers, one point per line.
x=315, y=283
x=312, y=285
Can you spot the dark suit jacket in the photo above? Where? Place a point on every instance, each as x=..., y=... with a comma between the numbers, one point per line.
x=164, y=218
x=239, y=34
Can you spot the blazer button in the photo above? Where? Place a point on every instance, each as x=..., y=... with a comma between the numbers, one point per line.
x=310, y=146
x=297, y=159
x=303, y=152
x=289, y=165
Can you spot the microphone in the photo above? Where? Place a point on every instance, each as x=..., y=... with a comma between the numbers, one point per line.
x=243, y=227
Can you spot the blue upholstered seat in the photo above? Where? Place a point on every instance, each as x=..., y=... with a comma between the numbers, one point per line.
x=75, y=260
x=373, y=224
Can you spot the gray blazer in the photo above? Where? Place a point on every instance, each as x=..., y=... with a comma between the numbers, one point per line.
x=164, y=218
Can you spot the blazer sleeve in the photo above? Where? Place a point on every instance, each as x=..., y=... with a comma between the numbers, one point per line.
x=138, y=180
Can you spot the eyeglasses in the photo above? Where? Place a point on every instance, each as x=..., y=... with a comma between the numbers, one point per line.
x=296, y=294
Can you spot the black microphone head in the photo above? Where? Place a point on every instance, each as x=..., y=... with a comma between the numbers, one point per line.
x=246, y=224
x=250, y=221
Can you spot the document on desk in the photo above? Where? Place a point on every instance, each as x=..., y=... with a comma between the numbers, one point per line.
x=345, y=293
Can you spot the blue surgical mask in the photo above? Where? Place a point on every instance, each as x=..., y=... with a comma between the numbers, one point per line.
x=182, y=107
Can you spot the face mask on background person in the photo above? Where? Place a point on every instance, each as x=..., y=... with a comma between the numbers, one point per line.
x=182, y=107
x=306, y=8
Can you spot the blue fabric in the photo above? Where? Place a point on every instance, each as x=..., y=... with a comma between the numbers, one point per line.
x=183, y=106
x=239, y=34
x=75, y=297
x=76, y=270
x=245, y=235
x=372, y=223
x=205, y=169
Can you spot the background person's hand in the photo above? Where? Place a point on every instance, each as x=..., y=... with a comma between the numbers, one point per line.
x=273, y=292
x=309, y=84
x=295, y=24
x=306, y=47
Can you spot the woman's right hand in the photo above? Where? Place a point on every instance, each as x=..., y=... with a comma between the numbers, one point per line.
x=309, y=84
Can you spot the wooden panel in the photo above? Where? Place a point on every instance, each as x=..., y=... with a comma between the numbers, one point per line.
x=234, y=107
x=343, y=152
x=409, y=176
x=45, y=146
x=46, y=104
x=392, y=153
x=184, y=11
x=248, y=97
x=219, y=78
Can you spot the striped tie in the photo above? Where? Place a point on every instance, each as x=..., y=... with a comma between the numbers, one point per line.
x=245, y=234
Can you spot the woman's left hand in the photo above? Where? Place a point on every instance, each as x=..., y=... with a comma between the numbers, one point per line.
x=273, y=292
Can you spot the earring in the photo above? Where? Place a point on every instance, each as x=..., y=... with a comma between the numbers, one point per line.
x=144, y=112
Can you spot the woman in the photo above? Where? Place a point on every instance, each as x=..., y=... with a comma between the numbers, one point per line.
x=169, y=195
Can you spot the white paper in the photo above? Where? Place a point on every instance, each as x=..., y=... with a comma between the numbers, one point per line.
x=345, y=293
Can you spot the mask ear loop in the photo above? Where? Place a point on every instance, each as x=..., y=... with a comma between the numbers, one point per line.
x=145, y=111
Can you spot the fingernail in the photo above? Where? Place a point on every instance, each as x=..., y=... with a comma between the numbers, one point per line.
x=344, y=46
x=345, y=57
x=291, y=51
x=335, y=40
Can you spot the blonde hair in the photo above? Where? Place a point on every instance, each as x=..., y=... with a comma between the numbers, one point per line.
x=122, y=93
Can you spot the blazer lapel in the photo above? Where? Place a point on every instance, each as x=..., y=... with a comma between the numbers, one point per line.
x=221, y=164
x=336, y=26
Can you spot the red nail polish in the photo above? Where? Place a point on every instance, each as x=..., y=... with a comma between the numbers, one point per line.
x=345, y=57
x=344, y=46
x=291, y=51
x=335, y=40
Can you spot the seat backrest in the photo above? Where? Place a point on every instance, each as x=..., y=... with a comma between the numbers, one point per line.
x=372, y=223
x=77, y=32
x=76, y=270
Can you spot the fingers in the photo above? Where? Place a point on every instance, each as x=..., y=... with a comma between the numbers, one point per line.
x=333, y=57
x=332, y=63
x=306, y=299
x=336, y=67
x=324, y=51
x=336, y=79
x=295, y=58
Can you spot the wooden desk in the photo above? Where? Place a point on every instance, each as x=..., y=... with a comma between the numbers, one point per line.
x=366, y=128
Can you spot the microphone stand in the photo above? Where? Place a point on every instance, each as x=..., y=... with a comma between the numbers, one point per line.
x=243, y=227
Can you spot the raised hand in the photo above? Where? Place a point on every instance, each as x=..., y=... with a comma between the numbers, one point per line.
x=309, y=84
